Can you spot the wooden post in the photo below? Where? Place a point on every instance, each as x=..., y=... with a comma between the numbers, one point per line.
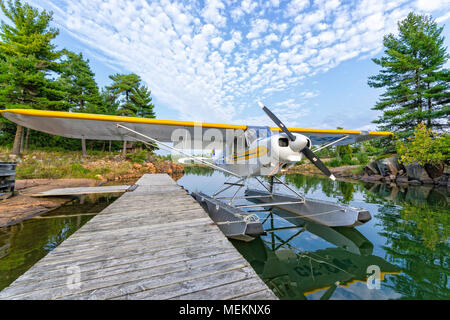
x=27, y=139
x=109, y=145
x=83, y=146
x=17, y=139
x=124, y=149
x=22, y=143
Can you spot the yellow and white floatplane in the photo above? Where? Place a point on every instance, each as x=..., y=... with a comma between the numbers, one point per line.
x=242, y=152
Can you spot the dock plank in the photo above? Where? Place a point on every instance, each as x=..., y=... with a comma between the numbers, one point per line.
x=155, y=242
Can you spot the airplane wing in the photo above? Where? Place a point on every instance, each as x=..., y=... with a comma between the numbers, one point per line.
x=104, y=127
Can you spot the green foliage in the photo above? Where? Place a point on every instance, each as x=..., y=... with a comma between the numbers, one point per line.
x=28, y=59
x=426, y=147
x=138, y=157
x=344, y=151
x=362, y=157
x=79, y=84
x=417, y=85
x=143, y=101
x=125, y=84
x=334, y=163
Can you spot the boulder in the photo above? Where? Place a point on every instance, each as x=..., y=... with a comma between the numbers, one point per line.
x=434, y=170
x=372, y=178
x=415, y=171
x=447, y=170
x=388, y=166
x=402, y=180
x=371, y=169
x=441, y=181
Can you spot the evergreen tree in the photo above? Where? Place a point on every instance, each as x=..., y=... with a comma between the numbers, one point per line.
x=81, y=89
x=142, y=99
x=29, y=59
x=108, y=103
x=125, y=84
x=417, y=85
x=78, y=81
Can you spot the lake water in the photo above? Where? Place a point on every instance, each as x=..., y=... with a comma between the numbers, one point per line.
x=24, y=244
x=405, y=244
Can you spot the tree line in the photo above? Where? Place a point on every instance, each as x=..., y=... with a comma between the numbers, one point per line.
x=35, y=74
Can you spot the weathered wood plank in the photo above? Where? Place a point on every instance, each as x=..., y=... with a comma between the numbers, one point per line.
x=227, y=291
x=91, y=280
x=81, y=190
x=155, y=242
x=151, y=258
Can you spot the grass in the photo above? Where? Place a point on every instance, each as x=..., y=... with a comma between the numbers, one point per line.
x=40, y=164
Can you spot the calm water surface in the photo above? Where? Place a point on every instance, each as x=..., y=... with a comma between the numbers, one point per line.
x=406, y=240
x=24, y=244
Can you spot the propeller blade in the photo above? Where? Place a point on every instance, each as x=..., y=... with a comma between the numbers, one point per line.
x=277, y=121
x=317, y=162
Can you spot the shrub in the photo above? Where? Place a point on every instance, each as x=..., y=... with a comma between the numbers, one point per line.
x=347, y=159
x=139, y=157
x=425, y=147
x=334, y=163
x=362, y=157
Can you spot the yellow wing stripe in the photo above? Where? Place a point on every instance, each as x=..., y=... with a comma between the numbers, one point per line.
x=99, y=117
x=250, y=154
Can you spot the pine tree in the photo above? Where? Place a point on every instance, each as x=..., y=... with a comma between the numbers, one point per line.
x=417, y=85
x=28, y=60
x=125, y=84
x=79, y=84
x=108, y=103
x=142, y=99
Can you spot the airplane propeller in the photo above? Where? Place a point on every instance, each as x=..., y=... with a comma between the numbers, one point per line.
x=298, y=146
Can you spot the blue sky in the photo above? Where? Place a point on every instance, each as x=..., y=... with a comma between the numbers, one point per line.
x=308, y=60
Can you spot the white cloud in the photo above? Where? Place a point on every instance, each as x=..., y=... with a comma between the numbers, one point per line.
x=431, y=5
x=209, y=62
x=227, y=46
x=211, y=12
x=296, y=6
x=258, y=26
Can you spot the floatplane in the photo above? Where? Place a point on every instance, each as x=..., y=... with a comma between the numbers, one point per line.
x=241, y=152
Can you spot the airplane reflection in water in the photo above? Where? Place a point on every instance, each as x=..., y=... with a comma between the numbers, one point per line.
x=294, y=274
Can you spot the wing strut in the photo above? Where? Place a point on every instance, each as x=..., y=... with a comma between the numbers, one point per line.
x=178, y=150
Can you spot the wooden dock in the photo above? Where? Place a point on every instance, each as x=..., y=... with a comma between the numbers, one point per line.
x=155, y=242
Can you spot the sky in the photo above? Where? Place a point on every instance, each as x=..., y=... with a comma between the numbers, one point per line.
x=307, y=60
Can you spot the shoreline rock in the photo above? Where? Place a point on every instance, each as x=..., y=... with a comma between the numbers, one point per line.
x=390, y=170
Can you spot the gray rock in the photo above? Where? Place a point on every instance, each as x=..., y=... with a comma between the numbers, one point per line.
x=441, y=181
x=388, y=166
x=434, y=170
x=415, y=171
x=446, y=169
x=415, y=182
x=402, y=180
x=371, y=169
x=372, y=178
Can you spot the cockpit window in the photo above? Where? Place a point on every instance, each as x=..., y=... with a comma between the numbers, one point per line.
x=283, y=142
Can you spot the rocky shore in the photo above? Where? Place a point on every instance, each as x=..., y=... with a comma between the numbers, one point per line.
x=390, y=170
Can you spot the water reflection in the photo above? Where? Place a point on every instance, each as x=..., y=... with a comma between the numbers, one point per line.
x=294, y=273
x=408, y=233
x=22, y=245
